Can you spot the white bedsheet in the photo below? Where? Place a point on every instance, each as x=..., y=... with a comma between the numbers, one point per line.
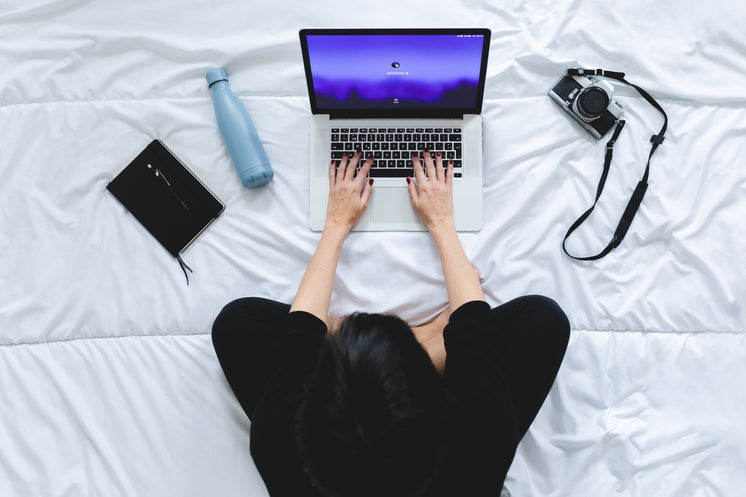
x=109, y=382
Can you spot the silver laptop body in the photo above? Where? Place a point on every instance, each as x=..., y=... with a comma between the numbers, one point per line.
x=390, y=120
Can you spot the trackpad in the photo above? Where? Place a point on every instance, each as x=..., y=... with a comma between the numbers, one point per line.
x=392, y=205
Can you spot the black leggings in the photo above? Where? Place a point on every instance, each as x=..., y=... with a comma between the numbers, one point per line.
x=532, y=331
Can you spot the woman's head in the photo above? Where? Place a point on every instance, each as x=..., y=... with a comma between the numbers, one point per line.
x=369, y=423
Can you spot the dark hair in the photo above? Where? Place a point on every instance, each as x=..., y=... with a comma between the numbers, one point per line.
x=370, y=420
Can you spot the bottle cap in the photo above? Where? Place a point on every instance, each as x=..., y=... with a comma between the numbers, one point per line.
x=215, y=75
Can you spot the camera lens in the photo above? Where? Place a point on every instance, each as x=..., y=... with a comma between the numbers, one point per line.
x=592, y=102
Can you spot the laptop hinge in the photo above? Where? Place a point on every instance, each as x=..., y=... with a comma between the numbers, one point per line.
x=357, y=115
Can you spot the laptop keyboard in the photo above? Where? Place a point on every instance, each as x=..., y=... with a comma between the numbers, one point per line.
x=392, y=148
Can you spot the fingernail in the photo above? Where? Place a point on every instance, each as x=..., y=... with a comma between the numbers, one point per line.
x=409, y=180
x=437, y=154
x=427, y=151
x=370, y=181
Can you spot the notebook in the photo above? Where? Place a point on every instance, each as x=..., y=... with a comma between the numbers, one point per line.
x=166, y=198
x=391, y=93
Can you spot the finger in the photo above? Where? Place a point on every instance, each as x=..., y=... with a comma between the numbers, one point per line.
x=364, y=170
x=351, y=166
x=414, y=197
x=418, y=172
x=340, y=170
x=449, y=173
x=366, y=193
x=332, y=173
x=429, y=165
x=440, y=173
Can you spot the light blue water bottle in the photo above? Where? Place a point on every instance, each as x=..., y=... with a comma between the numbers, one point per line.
x=239, y=134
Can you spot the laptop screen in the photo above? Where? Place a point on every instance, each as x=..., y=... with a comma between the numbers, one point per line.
x=395, y=72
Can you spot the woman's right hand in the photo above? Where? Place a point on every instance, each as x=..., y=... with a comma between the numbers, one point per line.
x=432, y=199
x=432, y=195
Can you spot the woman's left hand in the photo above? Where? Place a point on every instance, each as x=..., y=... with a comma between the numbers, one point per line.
x=348, y=193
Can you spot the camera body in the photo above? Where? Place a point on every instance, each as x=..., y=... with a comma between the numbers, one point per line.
x=588, y=101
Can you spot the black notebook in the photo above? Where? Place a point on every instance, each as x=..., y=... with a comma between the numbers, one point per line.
x=166, y=197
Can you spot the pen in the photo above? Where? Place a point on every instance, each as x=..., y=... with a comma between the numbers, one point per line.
x=168, y=186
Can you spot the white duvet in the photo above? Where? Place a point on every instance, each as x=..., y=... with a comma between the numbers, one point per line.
x=109, y=384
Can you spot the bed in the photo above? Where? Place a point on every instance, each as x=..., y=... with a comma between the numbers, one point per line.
x=109, y=382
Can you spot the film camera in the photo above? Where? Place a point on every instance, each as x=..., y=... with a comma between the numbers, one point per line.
x=588, y=101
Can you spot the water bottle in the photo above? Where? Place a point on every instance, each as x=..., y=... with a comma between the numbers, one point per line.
x=238, y=132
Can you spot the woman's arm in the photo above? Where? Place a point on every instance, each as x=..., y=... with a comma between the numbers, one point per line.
x=432, y=199
x=348, y=199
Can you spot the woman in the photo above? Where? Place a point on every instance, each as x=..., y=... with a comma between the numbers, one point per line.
x=371, y=407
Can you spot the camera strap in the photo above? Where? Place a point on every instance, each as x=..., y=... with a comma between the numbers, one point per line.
x=634, y=202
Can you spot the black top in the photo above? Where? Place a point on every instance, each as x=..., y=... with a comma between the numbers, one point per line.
x=481, y=430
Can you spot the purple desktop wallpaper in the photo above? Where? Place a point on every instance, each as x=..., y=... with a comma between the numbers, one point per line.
x=395, y=71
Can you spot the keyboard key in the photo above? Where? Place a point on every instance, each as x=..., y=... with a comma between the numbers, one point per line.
x=392, y=173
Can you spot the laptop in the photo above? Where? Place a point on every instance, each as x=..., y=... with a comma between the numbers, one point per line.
x=392, y=93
